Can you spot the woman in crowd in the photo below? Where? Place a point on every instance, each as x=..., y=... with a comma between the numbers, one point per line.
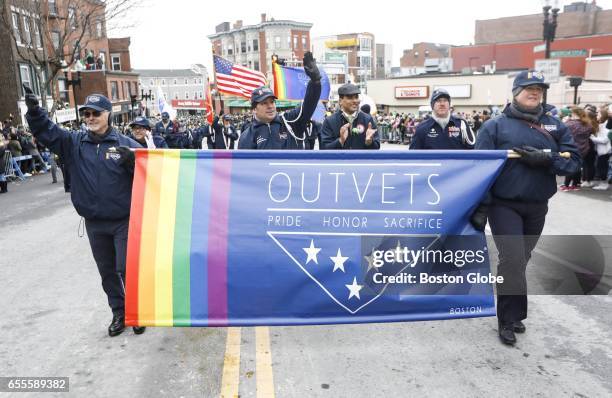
x=581, y=128
x=603, y=149
x=588, y=161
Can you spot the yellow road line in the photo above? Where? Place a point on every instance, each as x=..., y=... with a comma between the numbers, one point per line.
x=231, y=364
x=263, y=359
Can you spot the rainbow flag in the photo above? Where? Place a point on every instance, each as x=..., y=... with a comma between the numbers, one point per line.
x=290, y=83
x=243, y=238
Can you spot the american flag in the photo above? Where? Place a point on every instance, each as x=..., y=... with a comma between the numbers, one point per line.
x=235, y=79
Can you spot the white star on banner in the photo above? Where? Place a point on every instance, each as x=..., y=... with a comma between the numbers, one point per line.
x=370, y=260
x=354, y=289
x=339, y=261
x=312, y=252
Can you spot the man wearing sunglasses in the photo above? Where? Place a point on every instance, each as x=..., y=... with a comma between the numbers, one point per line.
x=101, y=167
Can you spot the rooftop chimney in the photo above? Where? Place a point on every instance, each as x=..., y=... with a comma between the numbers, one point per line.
x=238, y=24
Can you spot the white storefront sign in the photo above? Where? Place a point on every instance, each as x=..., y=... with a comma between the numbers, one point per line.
x=456, y=90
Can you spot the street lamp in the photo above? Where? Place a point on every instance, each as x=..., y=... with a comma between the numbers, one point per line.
x=549, y=27
x=74, y=83
x=147, y=97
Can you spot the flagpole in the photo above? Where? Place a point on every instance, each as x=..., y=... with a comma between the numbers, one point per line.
x=221, y=104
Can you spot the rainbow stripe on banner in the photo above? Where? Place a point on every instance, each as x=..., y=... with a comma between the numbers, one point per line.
x=177, y=253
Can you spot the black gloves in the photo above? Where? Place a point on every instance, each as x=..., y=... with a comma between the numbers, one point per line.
x=533, y=157
x=479, y=217
x=310, y=67
x=30, y=99
x=127, y=159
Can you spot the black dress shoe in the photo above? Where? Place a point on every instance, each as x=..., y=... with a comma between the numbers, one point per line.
x=506, y=334
x=117, y=326
x=138, y=329
x=519, y=327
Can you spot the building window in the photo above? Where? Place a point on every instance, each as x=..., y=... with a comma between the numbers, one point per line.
x=151, y=82
x=98, y=28
x=25, y=72
x=116, y=61
x=72, y=18
x=255, y=45
x=37, y=35
x=176, y=96
x=304, y=42
x=256, y=65
x=201, y=94
x=55, y=39
x=163, y=82
x=63, y=90
x=277, y=42
x=230, y=50
x=16, y=30
x=243, y=46
x=295, y=42
x=175, y=82
x=186, y=83
x=114, y=91
x=365, y=43
x=27, y=34
x=52, y=7
x=289, y=42
x=186, y=94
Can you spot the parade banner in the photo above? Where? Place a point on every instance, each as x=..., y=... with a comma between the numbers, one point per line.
x=223, y=238
x=290, y=83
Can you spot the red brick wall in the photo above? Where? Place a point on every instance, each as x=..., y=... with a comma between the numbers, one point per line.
x=521, y=55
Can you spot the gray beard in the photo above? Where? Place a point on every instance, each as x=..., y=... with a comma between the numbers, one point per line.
x=443, y=122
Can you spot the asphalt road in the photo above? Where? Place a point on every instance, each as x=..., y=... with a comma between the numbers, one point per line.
x=54, y=320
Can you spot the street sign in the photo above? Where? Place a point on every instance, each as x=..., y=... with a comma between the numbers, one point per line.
x=550, y=68
x=568, y=53
x=539, y=48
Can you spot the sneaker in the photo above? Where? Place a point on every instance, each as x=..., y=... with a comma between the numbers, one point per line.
x=26, y=175
x=587, y=184
x=574, y=188
x=601, y=186
x=564, y=188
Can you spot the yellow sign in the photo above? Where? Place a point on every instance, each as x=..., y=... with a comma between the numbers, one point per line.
x=341, y=43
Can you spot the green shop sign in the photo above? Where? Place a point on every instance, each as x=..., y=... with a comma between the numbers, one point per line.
x=568, y=53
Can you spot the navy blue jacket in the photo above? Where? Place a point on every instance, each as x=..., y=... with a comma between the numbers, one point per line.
x=217, y=140
x=101, y=189
x=275, y=135
x=430, y=135
x=330, y=132
x=518, y=181
x=161, y=130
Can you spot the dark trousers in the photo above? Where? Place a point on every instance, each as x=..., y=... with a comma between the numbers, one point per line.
x=588, y=166
x=573, y=179
x=516, y=228
x=601, y=166
x=108, y=241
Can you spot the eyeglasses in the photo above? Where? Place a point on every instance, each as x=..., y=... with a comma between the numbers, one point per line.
x=87, y=114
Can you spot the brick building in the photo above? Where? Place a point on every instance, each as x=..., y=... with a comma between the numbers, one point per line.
x=577, y=19
x=252, y=46
x=58, y=28
x=420, y=52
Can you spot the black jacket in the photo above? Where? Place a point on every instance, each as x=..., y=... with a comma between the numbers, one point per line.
x=330, y=132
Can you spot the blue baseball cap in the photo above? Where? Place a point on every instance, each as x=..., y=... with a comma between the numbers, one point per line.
x=141, y=121
x=97, y=102
x=165, y=114
x=437, y=94
x=529, y=78
x=260, y=94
